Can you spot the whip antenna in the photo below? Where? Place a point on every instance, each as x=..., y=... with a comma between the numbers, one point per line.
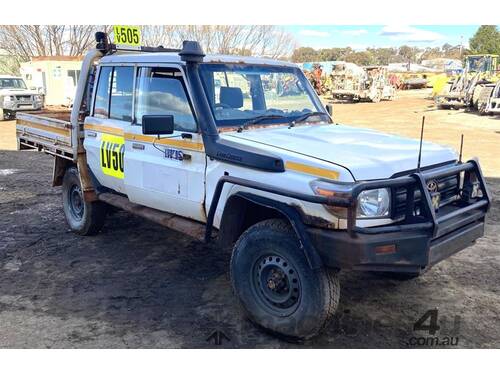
x=421, y=140
x=461, y=148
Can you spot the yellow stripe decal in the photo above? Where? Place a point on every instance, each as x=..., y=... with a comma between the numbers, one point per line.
x=166, y=141
x=181, y=143
x=52, y=129
x=104, y=129
x=315, y=171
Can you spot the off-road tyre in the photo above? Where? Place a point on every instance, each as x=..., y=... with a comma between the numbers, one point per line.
x=476, y=94
x=4, y=116
x=84, y=218
x=275, y=285
x=483, y=99
x=377, y=98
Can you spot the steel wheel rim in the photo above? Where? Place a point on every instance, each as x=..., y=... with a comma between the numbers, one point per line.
x=76, y=204
x=276, y=284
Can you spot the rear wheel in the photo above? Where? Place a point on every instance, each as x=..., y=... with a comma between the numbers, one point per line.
x=377, y=97
x=275, y=284
x=85, y=218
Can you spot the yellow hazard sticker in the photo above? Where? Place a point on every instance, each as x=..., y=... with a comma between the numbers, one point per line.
x=127, y=35
x=112, y=152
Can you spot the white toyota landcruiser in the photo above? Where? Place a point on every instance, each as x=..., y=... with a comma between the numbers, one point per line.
x=242, y=149
x=15, y=97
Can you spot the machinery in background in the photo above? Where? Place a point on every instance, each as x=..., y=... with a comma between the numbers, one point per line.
x=489, y=99
x=465, y=90
x=352, y=83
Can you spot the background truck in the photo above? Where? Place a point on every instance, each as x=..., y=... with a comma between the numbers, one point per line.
x=215, y=146
x=15, y=97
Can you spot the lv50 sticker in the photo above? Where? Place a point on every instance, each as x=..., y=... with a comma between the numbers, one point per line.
x=112, y=148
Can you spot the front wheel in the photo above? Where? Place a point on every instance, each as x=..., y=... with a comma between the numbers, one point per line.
x=275, y=284
x=84, y=218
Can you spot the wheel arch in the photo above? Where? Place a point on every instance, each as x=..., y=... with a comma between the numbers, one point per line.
x=243, y=209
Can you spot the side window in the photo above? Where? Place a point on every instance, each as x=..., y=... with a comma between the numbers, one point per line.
x=102, y=94
x=160, y=91
x=122, y=90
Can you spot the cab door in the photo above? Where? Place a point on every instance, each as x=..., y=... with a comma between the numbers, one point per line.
x=165, y=172
x=104, y=131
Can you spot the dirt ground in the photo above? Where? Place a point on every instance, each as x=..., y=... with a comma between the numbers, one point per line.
x=137, y=284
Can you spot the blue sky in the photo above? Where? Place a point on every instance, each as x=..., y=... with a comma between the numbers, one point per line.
x=361, y=37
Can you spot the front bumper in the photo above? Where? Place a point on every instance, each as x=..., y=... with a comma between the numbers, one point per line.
x=414, y=251
x=419, y=241
x=22, y=106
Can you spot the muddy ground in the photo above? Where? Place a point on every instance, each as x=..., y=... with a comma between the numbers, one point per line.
x=137, y=284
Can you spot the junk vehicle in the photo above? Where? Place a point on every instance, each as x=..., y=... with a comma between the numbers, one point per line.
x=15, y=97
x=349, y=82
x=464, y=90
x=489, y=99
x=197, y=143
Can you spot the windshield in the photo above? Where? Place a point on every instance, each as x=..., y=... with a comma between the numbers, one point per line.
x=479, y=63
x=12, y=83
x=240, y=93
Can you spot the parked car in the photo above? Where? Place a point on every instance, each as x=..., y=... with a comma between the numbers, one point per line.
x=15, y=97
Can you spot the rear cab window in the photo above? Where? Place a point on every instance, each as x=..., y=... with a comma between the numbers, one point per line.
x=114, y=93
x=161, y=91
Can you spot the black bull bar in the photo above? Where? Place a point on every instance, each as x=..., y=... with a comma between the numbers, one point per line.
x=426, y=220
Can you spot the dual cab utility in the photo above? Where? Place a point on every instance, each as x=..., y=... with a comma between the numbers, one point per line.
x=15, y=97
x=213, y=146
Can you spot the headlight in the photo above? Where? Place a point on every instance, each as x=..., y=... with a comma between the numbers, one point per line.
x=373, y=203
x=8, y=98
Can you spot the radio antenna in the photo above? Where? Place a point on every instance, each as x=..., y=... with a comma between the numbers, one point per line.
x=421, y=140
x=461, y=148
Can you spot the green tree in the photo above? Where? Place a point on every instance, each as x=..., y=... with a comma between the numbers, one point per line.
x=486, y=40
x=408, y=53
x=334, y=54
x=361, y=58
x=382, y=56
x=304, y=54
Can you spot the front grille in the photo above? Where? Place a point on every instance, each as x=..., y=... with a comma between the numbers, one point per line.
x=447, y=187
x=23, y=98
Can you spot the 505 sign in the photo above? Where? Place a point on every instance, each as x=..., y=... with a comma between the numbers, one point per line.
x=127, y=35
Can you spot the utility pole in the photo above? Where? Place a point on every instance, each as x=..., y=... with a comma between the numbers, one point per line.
x=461, y=46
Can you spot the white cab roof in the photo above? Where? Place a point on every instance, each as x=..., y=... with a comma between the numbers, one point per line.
x=166, y=57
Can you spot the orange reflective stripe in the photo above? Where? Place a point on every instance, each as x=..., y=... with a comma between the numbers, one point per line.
x=314, y=171
x=181, y=143
x=104, y=129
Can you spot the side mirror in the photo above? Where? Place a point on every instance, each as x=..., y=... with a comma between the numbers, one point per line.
x=157, y=124
x=329, y=109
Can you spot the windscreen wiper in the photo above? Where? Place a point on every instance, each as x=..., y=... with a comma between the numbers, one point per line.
x=306, y=116
x=260, y=118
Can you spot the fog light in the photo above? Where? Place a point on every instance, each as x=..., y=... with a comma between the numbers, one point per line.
x=385, y=249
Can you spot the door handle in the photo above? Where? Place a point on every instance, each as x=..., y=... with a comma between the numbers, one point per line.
x=137, y=146
x=91, y=134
